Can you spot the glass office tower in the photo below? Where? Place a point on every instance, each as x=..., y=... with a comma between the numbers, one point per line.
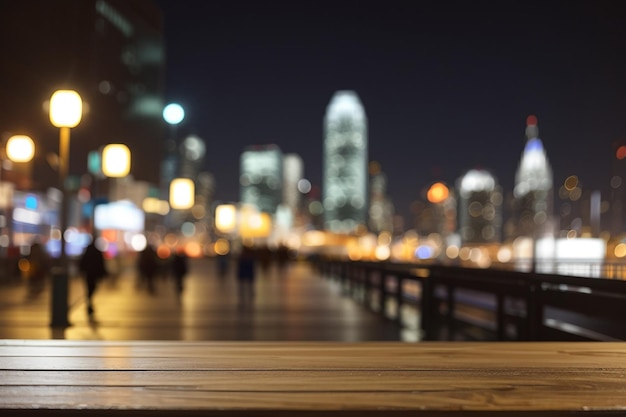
x=533, y=186
x=261, y=180
x=345, y=164
x=480, y=207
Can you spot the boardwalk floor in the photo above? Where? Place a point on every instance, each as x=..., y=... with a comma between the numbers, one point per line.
x=291, y=305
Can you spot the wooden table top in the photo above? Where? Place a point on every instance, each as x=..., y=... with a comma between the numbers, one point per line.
x=313, y=378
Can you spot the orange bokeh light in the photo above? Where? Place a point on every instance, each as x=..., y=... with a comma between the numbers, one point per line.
x=437, y=193
x=621, y=152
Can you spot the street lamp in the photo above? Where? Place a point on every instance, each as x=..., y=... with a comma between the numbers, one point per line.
x=116, y=160
x=182, y=193
x=173, y=114
x=20, y=148
x=66, y=109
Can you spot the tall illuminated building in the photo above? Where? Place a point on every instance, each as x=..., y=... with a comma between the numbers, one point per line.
x=293, y=169
x=344, y=196
x=381, y=210
x=261, y=177
x=480, y=208
x=533, y=187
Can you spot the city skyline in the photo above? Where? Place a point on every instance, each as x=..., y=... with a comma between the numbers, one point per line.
x=447, y=87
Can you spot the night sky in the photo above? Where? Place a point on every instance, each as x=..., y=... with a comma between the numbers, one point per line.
x=446, y=86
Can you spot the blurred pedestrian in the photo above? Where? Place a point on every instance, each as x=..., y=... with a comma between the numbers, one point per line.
x=180, y=267
x=223, y=262
x=92, y=267
x=147, y=265
x=245, y=275
x=38, y=267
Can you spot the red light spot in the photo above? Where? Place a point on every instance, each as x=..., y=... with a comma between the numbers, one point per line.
x=621, y=152
x=531, y=120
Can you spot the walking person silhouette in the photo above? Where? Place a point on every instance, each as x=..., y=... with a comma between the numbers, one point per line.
x=245, y=276
x=91, y=265
x=180, y=268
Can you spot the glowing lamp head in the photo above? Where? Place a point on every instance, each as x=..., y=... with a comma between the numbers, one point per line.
x=20, y=148
x=226, y=218
x=173, y=114
x=116, y=160
x=66, y=108
x=182, y=193
x=531, y=120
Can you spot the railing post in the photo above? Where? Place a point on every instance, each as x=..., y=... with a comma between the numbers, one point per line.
x=500, y=316
x=425, y=308
x=534, y=310
x=399, y=297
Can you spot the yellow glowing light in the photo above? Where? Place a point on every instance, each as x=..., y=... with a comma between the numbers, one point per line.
x=313, y=238
x=382, y=252
x=154, y=205
x=221, y=246
x=571, y=182
x=354, y=253
x=226, y=218
x=182, y=193
x=505, y=254
x=20, y=148
x=254, y=224
x=150, y=204
x=437, y=193
x=116, y=160
x=66, y=108
x=620, y=250
x=193, y=249
x=452, y=252
x=384, y=238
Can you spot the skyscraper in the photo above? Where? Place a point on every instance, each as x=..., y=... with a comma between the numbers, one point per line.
x=345, y=164
x=381, y=210
x=293, y=169
x=480, y=207
x=533, y=187
x=261, y=180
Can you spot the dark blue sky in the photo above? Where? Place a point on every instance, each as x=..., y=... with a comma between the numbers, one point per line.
x=446, y=86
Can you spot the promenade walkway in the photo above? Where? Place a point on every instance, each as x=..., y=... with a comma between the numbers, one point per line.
x=291, y=305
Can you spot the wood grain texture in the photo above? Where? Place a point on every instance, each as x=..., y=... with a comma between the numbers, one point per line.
x=444, y=378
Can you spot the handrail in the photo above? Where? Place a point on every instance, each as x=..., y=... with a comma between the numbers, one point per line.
x=457, y=303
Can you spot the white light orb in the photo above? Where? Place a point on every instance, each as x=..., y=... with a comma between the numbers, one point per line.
x=173, y=114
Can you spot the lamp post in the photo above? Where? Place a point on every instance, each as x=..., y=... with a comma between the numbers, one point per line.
x=66, y=109
x=19, y=149
x=173, y=114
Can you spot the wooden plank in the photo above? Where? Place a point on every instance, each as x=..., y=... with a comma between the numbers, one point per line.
x=330, y=378
x=306, y=356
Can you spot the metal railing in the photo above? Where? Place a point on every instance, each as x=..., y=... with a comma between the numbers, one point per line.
x=458, y=303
